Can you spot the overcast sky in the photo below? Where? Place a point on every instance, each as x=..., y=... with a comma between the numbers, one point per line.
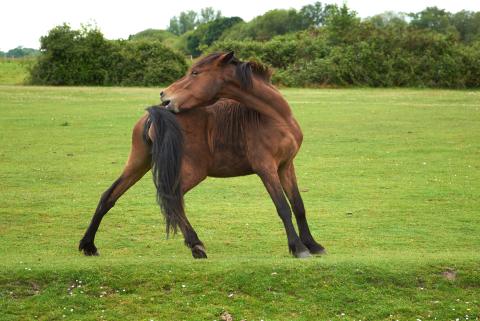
x=23, y=22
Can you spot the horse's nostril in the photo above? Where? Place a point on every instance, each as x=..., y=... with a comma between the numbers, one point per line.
x=161, y=94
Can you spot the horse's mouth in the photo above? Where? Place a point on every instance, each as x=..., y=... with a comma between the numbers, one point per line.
x=170, y=106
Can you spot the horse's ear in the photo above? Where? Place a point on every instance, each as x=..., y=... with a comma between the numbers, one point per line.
x=227, y=58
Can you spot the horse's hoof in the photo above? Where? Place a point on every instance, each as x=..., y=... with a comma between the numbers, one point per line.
x=319, y=252
x=299, y=250
x=88, y=248
x=198, y=252
x=316, y=249
x=90, y=253
x=302, y=255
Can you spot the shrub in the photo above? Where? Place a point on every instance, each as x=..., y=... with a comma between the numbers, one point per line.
x=85, y=57
x=146, y=63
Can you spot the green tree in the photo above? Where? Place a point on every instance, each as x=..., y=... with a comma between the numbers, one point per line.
x=20, y=52
x=277, y=22
x=316, y=14
x=187, y=20
x=388, y=18
x=467, y=24
x=341, y=21
x=209, y=14
x=432, y=18
x=174, y=26
x=207, y=33
x=265, y=27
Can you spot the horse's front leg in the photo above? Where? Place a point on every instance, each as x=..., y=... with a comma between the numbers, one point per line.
x=272, y=183
x=289, y=184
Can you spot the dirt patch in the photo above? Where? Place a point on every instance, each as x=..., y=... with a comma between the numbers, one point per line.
x=450, y=274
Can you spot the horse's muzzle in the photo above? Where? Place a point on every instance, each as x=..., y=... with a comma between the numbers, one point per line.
x=171, y=107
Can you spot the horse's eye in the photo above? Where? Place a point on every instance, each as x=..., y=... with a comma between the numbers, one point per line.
x=194, y=73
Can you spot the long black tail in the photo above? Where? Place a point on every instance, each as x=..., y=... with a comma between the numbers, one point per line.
x=167, y=151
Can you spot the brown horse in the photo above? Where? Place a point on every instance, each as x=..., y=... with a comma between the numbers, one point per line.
x=225, y=139
x=269, y=149
x=182, y=150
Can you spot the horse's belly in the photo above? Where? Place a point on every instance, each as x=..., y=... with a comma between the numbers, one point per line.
x=229, y=165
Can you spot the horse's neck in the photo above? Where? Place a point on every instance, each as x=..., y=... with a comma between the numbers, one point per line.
x=267, y=100
x=263, y=98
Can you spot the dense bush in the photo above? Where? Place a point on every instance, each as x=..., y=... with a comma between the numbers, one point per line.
x=146, y=64
x=369, y=55
x=85, y=57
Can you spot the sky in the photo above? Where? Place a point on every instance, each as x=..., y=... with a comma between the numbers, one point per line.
x=22, y=23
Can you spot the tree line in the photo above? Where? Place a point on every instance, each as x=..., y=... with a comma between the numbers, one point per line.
x=19, y=52
x=318, y=45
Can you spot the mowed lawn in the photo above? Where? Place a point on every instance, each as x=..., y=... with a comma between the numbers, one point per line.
x=390, y=179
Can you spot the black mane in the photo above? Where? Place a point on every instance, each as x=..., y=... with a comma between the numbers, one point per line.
x=244, y=69
x=232, y=121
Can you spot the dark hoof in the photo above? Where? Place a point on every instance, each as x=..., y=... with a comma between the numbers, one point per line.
x=198, y=252
x=316, y=249
x=91, y=253
x=299, y=250
x=88, y=248
x=319, y=252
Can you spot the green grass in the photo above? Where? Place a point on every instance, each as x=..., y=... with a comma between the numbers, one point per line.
x=14, y=71
x=390, y=180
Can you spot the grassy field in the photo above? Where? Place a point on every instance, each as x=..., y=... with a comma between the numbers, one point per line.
x=390, y=179
x=14, y=71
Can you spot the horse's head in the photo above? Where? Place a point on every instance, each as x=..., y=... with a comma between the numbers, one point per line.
x=200, y=86
x=207, y=81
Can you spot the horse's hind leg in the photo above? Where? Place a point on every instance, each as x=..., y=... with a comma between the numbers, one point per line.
x=137, y=165
x=191, y=177
x=192, y=240
x=289, y=184
x=272, y=183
